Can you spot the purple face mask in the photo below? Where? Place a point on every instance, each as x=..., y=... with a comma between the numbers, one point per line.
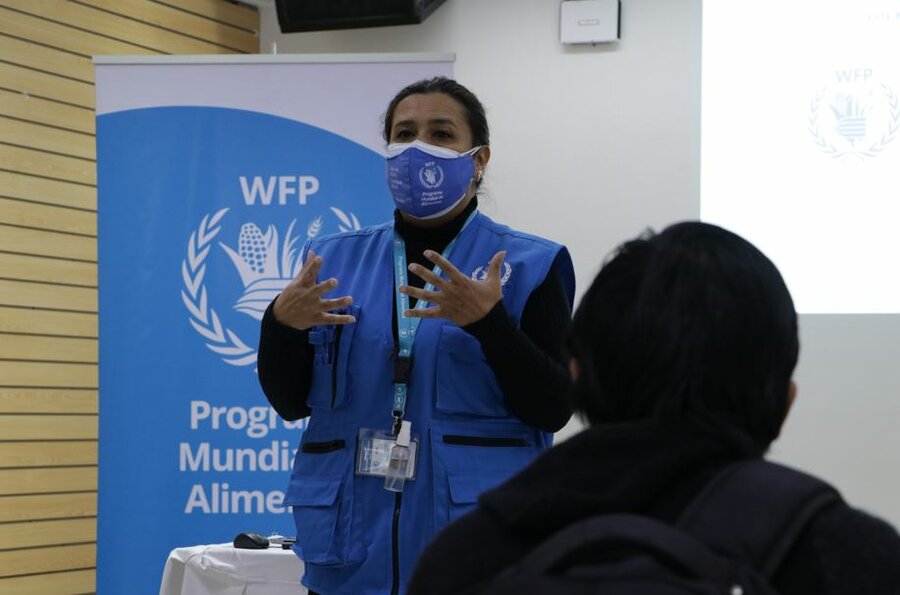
x=428, y=181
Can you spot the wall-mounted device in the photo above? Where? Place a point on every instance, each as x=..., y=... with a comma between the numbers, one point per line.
x=589, y=21
x=321, y=15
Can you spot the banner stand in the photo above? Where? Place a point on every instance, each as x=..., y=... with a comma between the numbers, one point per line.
x=212, y=173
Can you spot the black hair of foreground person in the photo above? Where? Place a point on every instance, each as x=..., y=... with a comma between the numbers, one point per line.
x=694, y=321
x=682, y=353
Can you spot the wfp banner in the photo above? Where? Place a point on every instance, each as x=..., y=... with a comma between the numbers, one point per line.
x=212, y=175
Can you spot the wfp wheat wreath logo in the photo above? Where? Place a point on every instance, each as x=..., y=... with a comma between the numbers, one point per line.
x=431, y=175
x=480, y=273
x=266, y=263
x=856, y=116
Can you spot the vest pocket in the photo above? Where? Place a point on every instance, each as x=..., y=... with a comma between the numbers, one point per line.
x=465, y=382
x=322, y=515
x=471, y=457
x=332, y=345
x=464, y=491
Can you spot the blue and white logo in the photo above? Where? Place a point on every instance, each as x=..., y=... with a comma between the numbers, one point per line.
x=431, y=175
x=265, y=262
x=855, y=116
x=480, y=273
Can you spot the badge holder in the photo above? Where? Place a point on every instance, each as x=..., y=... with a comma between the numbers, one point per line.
x=379, y=454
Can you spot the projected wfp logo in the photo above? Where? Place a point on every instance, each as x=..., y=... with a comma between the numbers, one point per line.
x=855, y=116
x=265, y=262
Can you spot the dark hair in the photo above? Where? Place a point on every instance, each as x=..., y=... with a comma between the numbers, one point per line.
x=694, y=322
x=473, y=109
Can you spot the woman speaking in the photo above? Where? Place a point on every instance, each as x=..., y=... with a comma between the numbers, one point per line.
x=436, y=375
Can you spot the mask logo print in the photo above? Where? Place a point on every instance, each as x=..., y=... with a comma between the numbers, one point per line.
x=431, y=175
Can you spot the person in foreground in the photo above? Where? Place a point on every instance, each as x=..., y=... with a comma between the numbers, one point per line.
x=683, y=351
x=409, y=422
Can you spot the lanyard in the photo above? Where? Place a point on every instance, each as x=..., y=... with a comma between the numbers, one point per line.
x=407, y=326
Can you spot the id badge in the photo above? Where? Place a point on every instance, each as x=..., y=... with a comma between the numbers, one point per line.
x=373, y=453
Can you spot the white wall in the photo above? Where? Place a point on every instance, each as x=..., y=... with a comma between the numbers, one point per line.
x=591, y=145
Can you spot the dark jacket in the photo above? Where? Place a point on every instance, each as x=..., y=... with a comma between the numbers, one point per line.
x=653, y=468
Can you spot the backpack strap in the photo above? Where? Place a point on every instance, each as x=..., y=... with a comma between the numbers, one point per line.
x=614, y=554
x=755, y=510
x=589, y=537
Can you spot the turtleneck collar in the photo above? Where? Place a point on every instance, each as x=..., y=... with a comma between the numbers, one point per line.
x=434, y=236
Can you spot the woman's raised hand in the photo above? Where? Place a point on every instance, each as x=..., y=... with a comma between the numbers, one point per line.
x=301, y=305
x=457, y=298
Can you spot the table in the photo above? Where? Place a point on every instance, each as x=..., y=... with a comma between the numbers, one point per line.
x=225, y=570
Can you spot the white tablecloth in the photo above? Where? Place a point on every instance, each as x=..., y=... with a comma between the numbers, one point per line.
x=225, y=570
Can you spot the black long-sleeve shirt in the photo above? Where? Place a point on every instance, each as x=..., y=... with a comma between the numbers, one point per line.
x=528, y=360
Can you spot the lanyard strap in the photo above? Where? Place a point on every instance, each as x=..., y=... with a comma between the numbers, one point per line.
x=407, y=325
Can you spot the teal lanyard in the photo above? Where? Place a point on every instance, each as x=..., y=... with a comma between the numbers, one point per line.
x=407, y=326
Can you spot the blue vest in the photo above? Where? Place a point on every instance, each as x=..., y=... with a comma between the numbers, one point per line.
x=468, y=441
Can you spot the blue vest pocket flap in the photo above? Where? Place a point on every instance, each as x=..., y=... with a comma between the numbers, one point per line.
x=309, y=491
x=464, y=491
x=466, y=384
x=465, y=488
x=321, y=514
x=331, y=375
x=458, y=341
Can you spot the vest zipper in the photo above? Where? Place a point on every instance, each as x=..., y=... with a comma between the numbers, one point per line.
x=336, y=353
x=395, y=545
x=492, y=441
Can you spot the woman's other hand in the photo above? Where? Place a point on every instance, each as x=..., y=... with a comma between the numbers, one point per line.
x=301, y=306
x=457, y=298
